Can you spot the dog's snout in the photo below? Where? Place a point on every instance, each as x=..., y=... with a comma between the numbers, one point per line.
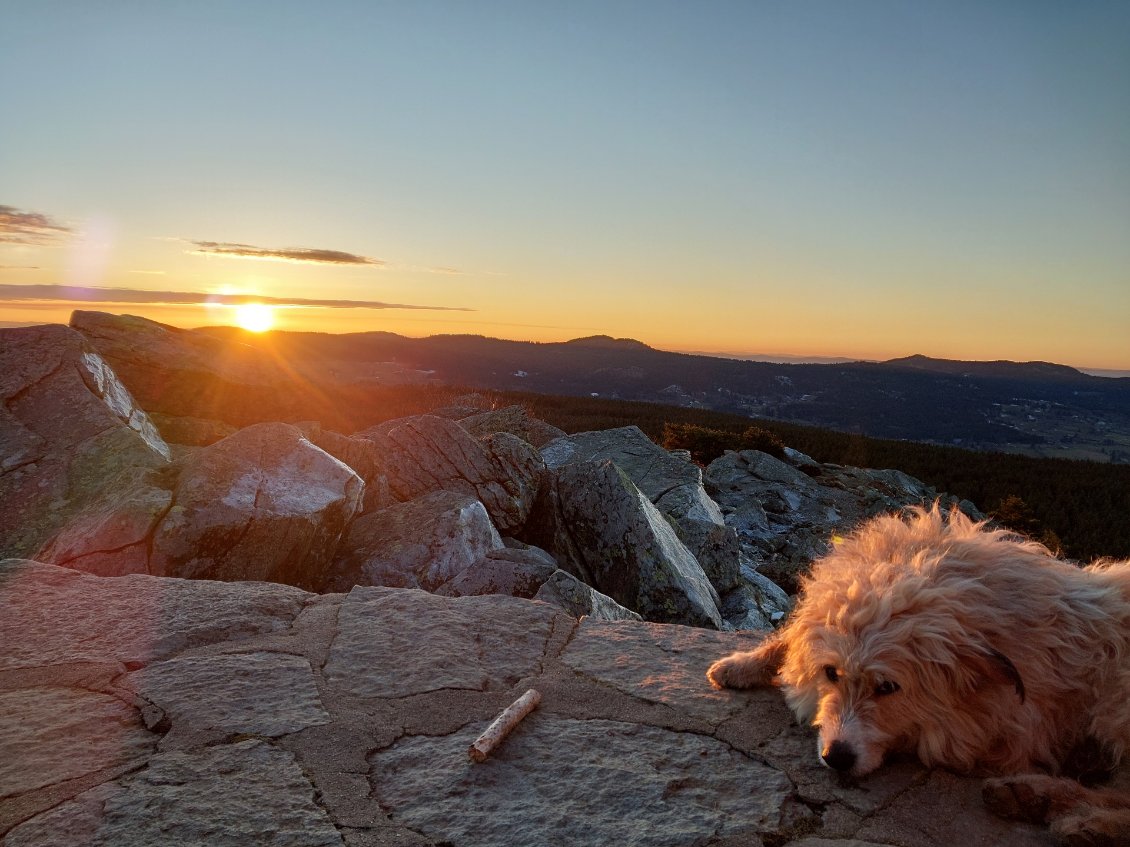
x=839, y=756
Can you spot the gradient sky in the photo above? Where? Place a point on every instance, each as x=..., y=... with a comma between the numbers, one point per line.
x=868, y=179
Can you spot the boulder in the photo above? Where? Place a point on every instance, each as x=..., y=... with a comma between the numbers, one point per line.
x=262, y=504
x=427, y=453
x=516, y=571
x=361, y=454
x=75, y=449
x=514, y=420
x=520, y=570
x=654, y=471
x=671, y=481
x=111, y=536
x=464, y=405
x=702, y=528
x=421, y=543
x=183, y=373
x=519, y=471
x=756, y=602
x=564, y=590
x=626, y=549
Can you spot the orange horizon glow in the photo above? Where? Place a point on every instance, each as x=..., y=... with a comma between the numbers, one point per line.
x=253, y=317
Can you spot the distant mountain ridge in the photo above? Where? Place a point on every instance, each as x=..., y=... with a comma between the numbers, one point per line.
x=1001, y=368
x=1038, y=408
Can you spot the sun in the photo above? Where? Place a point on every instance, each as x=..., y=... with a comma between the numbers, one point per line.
x=255, y=317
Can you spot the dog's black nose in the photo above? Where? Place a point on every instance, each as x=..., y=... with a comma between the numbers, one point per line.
x=839, y=756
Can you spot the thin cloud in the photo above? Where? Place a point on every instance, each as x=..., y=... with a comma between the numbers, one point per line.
x=76, y=294
x=306, y=255
x=427, y=269
x=34, y=228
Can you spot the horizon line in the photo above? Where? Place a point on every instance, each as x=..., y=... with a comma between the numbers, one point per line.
x=765, y=358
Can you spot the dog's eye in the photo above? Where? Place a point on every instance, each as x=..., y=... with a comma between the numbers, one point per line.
x=885, y=688
x=832, y=674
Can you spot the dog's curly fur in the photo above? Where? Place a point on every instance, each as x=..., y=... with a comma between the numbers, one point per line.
x=972, y=648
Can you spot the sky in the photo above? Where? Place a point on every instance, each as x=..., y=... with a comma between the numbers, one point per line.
x=869, y=179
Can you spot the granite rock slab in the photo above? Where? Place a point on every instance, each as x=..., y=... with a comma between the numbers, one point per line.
x=282, y=718
x=395, y=643
x=659, y=663
x=37, y=736
x=232, y=795
x=265, y=694
x=643, y=787
x=53, y=615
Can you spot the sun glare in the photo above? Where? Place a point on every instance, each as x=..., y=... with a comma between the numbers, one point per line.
x=255, y=317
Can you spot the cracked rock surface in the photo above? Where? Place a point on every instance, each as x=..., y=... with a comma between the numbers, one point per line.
x=142, y=710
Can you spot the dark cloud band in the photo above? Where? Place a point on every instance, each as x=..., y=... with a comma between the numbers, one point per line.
x=286, y=254
x=74, y=294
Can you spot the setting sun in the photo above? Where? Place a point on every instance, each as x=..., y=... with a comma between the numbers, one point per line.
x=255, y=317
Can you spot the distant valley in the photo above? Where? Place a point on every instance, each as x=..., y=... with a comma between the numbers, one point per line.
x=1033, y=408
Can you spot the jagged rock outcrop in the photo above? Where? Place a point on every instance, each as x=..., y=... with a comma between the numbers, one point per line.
x=612, y=536
x=655, y=471
x=75, y=446
x=675, y=485
x=265, y=503
x=756, y=602
x=262, y=504
x=786, y=513
x=428, y=453
x=672, y=482
x=157, y=712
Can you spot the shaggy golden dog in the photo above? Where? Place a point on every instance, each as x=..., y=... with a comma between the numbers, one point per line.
x=969, y=647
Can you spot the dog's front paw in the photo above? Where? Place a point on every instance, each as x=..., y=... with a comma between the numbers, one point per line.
x=739, y=670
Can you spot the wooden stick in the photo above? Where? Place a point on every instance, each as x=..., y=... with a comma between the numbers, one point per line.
x=501, y=726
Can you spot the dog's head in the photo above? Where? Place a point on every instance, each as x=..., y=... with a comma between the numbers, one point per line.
x=887, y=648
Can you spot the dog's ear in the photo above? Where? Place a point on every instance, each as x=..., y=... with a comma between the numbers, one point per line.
x=995, y=666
